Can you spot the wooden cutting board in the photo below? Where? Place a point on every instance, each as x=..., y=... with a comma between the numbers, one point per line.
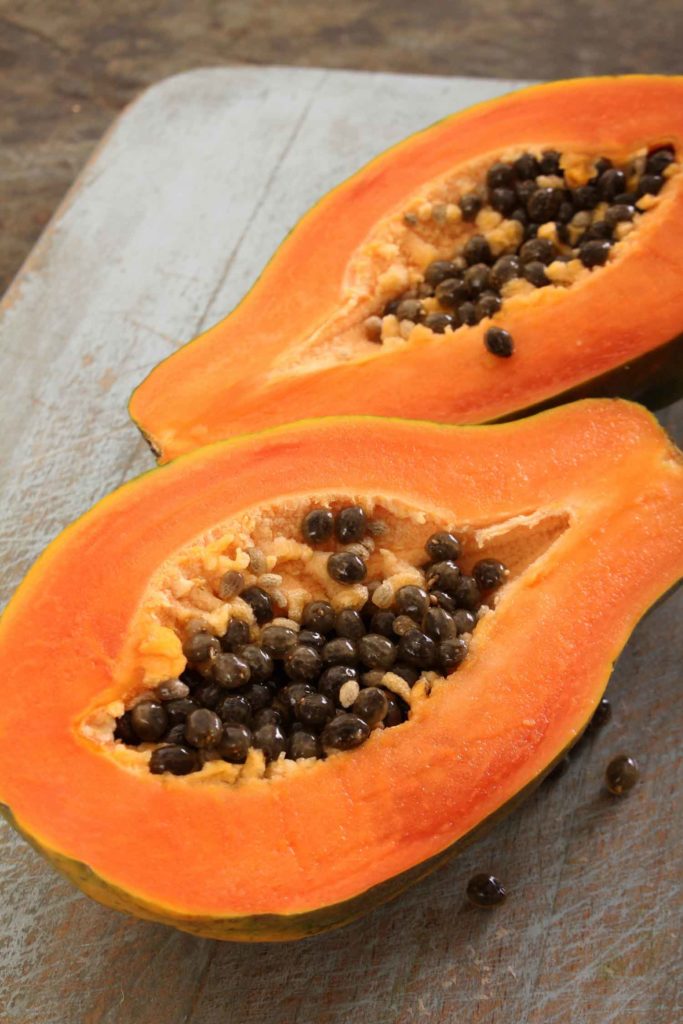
x=165, y=229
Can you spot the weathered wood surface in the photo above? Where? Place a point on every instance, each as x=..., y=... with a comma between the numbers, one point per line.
x=69, y=67
x=165, y=229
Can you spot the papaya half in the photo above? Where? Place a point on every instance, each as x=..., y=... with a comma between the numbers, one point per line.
x=565, y=528
x=519, y=254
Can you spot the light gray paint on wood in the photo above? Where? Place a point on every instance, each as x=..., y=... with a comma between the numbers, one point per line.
x=166, y=228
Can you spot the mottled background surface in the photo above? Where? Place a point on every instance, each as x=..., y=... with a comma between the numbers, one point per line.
x=68, y=66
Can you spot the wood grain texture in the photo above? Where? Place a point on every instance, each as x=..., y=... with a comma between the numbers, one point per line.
x=167, y=227
x=66, y=68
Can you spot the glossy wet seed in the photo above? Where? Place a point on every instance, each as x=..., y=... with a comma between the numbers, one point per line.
x=303, y=664
x=346, y=568
x=371, y=705
x=485, y=891
x=269, y=716
x=411, y=601
x=487, y=305
x=534, y=273
x=451, y=292
x=594, y=252
x=235, y=743
x=500, y=175
x=464, y=621
x=601, y=715
x=505, y=269
x=649, y=184
x=439, y=624
x=477, y=250
x=438, y=322
x=351, y=523
x=203, y=728
x=258, y=661
x=489, y=573
x=503, y=200
x=277, y=640
x=172, y=689
x=260, y=603
x=345, y=732
x=467, y=314
x=438, y=271
x=234, y=709
x=470, y=205
x=349, y=623
x=319, y=616
x=271, y=740
x=477, y=279
x=544, y=204
x=375, y=651
x=289, y=696
x=333, y=678
x=200, y=647
x=410, y=309
x=175, y=735
x=314, y=710
x=417, y=649
x=317, y=525
x=450, y=654
x=599, y=231
x=402, y=623
x=619, y=214
x=396, y=712
x=303, y=744
x=236, y=635
x=659, y=159
x=466, y=593
x=178, y=710
x=231, y=671
x=526, y=166
x=443, y=546
x=149, y=721
x=621, y=775
x=311, y=638
x=208, y=694
x=537, y=250
x=610, y=183
x=257, y=695
x=499, y=342
x=176, y=760
x=585, y=197
x=124, y=731
x=443, y=576
x=340, y=651
x=382, y=622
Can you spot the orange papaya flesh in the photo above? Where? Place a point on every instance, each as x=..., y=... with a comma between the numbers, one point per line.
x=296, y=345
x=303, y=850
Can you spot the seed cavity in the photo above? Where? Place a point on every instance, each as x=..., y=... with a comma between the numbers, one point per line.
x=532, y=221
x=314, y=682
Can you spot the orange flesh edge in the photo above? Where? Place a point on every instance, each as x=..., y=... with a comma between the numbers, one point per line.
x=215, y=386
x=320, y=836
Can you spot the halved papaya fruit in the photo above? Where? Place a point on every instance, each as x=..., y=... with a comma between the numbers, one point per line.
x=546, y=540
x=519, y=254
